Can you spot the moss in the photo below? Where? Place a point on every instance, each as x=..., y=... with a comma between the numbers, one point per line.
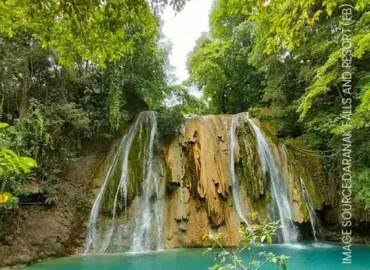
x=112, y=185
x=137, y=160
x=269, y=132
x=169, y=122
x=247, y=168
x=247, y=179
x=297, y=186
x=168, y=173
x=308, y=168
x=261, y=206
x=311, y=169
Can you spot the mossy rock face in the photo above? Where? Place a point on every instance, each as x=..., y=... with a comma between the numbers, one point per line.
x=111, y=188
x=309, y=169
x=113, y=180
x=249, y=171
x=137, y=161
x=171, y=186
x=247, y=167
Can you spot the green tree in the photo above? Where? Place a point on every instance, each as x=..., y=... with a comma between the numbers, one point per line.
x=219, y=66
x=137, y=82
x=98, y=31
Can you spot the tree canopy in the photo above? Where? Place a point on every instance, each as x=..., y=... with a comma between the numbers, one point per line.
x=98, y=31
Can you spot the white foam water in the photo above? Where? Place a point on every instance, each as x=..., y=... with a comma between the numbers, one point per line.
x=146, y=232
x=279, y=188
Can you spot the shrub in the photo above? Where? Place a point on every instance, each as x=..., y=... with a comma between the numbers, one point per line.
x=251, y=239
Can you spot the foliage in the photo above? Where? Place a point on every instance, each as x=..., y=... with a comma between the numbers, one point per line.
x=181, y=100
x=137, y=82
x=10, y=165
x=98, y=31
x=178, y=105
x=219, y=66
x=169, y=123
x=285, y=23
x=252, y=237
x=361, y=188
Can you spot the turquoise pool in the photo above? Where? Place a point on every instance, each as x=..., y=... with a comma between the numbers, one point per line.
x=303, y=256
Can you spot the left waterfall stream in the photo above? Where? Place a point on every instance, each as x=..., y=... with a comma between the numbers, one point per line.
x=127, y=214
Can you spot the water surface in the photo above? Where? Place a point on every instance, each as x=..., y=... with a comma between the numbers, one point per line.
x=303, y=256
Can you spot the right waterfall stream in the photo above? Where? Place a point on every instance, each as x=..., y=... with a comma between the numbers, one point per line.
x=279, y=186
x=314, y=220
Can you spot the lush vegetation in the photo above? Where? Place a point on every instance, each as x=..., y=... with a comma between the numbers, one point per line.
x=98, y=31
x=73, y=73
x=12, y=166
x=282, y=61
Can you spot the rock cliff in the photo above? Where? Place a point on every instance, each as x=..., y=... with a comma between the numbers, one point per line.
x=201, y=198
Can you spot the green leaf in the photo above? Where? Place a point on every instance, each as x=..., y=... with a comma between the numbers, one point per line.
x=268, y=238
x=29, y=161
x=3, y=125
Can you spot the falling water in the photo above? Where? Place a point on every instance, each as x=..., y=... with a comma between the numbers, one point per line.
x=315, y=222
x=278, y=185
x=234, y=180
x=146, y=232
x=91, y=229
x=144, y=216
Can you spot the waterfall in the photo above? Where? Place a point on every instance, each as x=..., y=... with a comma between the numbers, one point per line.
x=144, y=216
x=234, y=181
x=91, y=229
x=117, y=234
x=279, y=186
x=314, y=220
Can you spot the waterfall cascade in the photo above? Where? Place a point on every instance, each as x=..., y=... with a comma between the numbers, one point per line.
x=279, y=186
x=204, y=169
x=136, y=219
x=314, y=219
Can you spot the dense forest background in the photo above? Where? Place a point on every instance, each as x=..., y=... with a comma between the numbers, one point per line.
x=77, y=72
